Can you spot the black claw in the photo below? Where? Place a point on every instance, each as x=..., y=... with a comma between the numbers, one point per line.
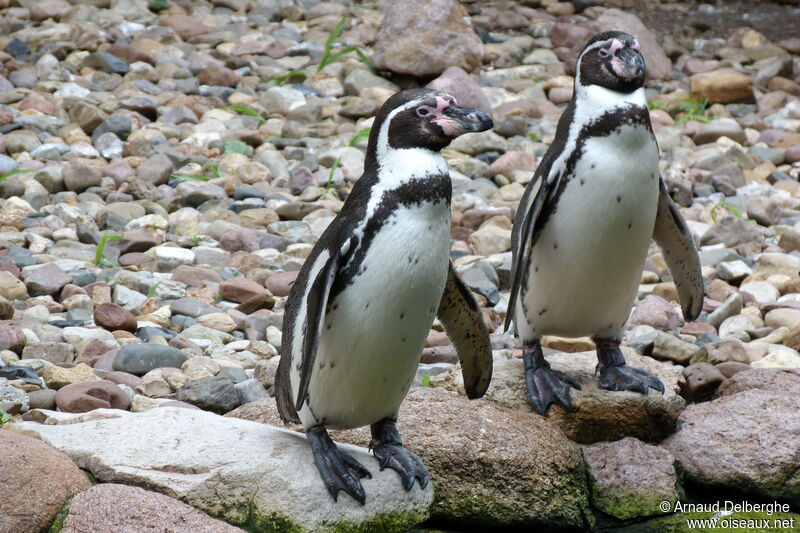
x=390, y=453
x=545, y=385
x=338, y=470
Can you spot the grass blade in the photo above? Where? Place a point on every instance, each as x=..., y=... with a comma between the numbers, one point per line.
x=99, y=260
x=359, y=137
x=18, y=171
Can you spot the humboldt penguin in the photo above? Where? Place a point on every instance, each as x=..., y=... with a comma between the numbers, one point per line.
x=364, y=301
x=584, y=225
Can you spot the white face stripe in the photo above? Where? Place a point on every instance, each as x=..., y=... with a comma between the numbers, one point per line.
x=397, y=166
x=593, y=46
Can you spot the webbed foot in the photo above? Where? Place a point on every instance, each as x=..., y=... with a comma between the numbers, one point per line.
x=339, y=471
x=389, y=451
x=545, y=385
x=616, y=375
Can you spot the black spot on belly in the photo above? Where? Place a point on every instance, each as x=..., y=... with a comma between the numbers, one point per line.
x=328, y=326
x=630, y=225
x=619, y=199
x=555, y=246
x=583, y=182
x=594, y=165
x=610, y=326
x=366, y=306
x=402, y=315
x=543, y=311
x=385, y=380
x=403, y=339
x=536, y=268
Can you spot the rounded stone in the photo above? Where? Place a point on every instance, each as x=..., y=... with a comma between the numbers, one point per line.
x=141, y=358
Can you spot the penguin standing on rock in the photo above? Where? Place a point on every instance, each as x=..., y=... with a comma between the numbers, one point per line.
x=583, y=227
x=363, y=303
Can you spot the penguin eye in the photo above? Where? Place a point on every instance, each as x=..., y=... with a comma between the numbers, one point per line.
x=421, y=112
x=604, y=53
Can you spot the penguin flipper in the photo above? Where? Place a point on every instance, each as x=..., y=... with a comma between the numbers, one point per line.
x=530, y=207
x=673, y=236
x=463, y=323
x=313, y=285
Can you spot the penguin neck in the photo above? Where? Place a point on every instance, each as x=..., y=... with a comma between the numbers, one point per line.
x=393, y=167
x=593, y=100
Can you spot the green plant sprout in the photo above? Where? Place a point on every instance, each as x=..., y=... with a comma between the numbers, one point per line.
x=655, y=104
x=328, y=57
x=533, y=136
x=5, y=418
x=247, y=111
x=18, y=171
x=359, y=137
x=426, y=381
x=329, y=185
x=99, y=260
x=726, y=206
x=153, y=289
x=693, y=110
x=214, y=168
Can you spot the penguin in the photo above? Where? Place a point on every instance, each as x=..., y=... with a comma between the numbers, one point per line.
x=584, y=224
x=358, y=314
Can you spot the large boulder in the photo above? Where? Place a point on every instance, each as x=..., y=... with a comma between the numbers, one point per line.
x=424, y=37
x=260, y=477
x=598, y=414
x=747, y=441
x=489, y=466
x=111, y=508
x=36, y=481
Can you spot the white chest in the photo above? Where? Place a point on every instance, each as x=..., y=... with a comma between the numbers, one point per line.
x=375, y=329
x=587, y=261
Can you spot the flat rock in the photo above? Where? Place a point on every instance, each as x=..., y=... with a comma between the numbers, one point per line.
x=112, y=508
x=210, y=463
x=37, y=481
x=748, y=441
x=483, y=460
x=598, y=414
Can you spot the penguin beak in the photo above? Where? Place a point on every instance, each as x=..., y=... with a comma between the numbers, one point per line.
x=628, y=63
x=465, y=120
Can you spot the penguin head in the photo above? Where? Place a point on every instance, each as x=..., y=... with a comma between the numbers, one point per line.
x=613, y=60
x=425, y=118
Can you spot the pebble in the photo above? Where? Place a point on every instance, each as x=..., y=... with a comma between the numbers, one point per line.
x=140, y=358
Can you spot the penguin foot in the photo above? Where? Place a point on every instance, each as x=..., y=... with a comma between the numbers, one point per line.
x=339, y=471
x=389, y=451
x=545, y=385
x=616, y=375
x=624, y=377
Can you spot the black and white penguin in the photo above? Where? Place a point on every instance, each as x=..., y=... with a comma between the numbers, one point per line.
x=361, y=308
x=583, y=227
